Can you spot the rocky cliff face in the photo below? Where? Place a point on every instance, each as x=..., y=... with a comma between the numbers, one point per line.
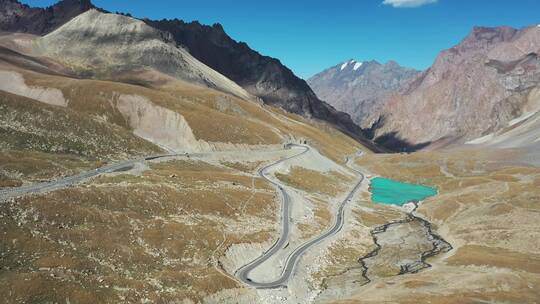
x=17, y=17
x=472, y=89
x=263, y=76
x=360, y=88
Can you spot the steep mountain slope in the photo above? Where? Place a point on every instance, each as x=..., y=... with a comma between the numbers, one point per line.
x=96, y=43
x=472, y=89
x=27, y=124
x=174, y=115
x=260, y=75
x=521, y=133
x=360, y=88
x=17, y=17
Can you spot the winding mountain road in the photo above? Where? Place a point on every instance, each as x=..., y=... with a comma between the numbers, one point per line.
x=244, y=271
x=293, y=258
x=72, y=180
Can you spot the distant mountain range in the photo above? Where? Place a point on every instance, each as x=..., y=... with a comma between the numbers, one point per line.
x=262, y=76
x=479, y=87
x=360, y=88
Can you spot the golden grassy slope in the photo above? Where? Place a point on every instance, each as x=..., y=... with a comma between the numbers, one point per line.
x=97, y=97
x=17, y=167
x=40, y=141
x=97, y=129
x=125, y=238
x=33, y=126
x=213, y=116
x=311, y=181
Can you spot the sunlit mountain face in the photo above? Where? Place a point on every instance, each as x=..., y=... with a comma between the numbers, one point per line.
x=360, y=88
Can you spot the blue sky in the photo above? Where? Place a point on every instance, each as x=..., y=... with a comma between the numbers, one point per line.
x=311, y=35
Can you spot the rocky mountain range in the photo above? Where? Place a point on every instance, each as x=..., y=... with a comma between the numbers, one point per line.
x=472, y=89
x=262, y=76
x=106, y=45
x=360, y=88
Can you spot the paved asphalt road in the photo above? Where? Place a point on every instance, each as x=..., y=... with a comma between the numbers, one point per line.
x=292, y=259
x=71, y=180
x=75, y=179
x=243, y=272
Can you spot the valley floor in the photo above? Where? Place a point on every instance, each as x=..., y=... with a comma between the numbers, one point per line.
x=181, y=226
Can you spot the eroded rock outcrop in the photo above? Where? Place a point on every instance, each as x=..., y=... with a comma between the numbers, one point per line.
x=13, y=82
x=158, y=125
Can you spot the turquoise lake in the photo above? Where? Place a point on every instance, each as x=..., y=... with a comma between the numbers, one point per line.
x=391, y=192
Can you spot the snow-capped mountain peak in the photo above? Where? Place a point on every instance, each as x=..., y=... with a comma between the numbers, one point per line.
x=357, y=65
x=360, y=87
x=353, y=63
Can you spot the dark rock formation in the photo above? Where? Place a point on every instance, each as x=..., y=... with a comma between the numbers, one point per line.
x=17, y=17
x=260, y=75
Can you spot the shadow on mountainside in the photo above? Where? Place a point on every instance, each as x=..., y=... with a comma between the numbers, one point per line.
x=391, y=140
